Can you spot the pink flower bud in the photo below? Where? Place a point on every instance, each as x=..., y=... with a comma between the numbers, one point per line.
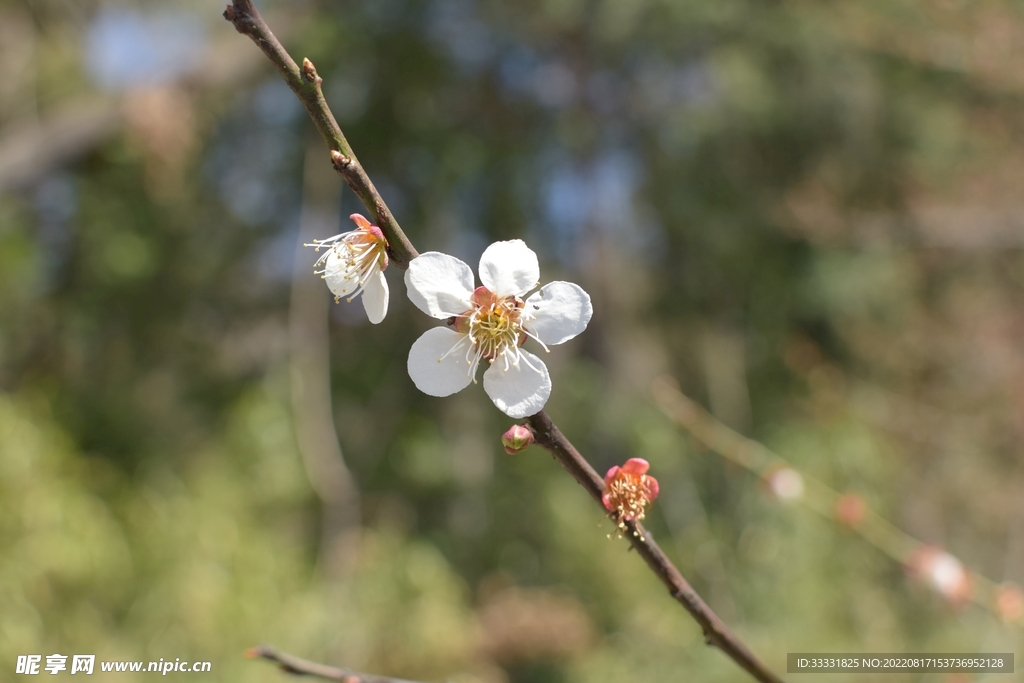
x=517, y=439
x=851, y=509
x=1010, y=603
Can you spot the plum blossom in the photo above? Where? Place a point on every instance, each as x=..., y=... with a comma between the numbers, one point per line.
x=354, y=265
x=491, y=322
x=786, y=484
x=942, y=571
x=628, y=490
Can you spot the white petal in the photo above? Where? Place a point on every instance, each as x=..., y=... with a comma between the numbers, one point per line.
x=434, y=373
x=341, y=280
x=509, y=268
x=558, y=311
x=375, y=297
x=520, y=390
x=440, y=285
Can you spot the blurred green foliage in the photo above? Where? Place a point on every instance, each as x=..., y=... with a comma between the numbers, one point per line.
x=809, y=214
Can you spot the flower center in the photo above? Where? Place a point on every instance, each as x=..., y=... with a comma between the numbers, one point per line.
x=357, y=255
x=493, y=324
x=629, y=495
x=363, y=251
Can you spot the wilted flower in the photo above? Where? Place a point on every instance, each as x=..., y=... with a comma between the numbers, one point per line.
x=354, y=265
x=940, y=570
x=517, y=439
x=491, y=323
x=628, y=490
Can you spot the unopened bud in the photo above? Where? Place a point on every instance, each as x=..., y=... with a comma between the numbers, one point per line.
x=340, y=161
x=309, y=72
x=1010, y=603
x=517, y=439
x=851, y=509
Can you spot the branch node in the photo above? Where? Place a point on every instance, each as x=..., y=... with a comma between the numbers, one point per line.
x=309, y=72
x=246, y=18
x=340, y=161
x=238, y=18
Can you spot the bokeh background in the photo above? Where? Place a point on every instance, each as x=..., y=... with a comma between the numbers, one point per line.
x=808, y=214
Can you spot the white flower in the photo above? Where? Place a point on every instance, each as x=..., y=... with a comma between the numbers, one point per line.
x=787, y=484
x=353, y=265
x=491, y=323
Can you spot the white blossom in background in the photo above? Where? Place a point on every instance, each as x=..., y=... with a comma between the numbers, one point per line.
x=942, y=571
x=491, y=323
x=786, y=484
x=354, y=265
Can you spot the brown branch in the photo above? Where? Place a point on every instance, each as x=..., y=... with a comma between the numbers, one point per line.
x=302, y=667
x=716, y=632
x=305, y=83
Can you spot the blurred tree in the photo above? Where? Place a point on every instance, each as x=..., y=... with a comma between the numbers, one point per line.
x=807, y=213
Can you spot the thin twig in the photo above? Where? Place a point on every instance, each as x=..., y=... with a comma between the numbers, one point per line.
x=755, y=457
x=716, y=632
x=872, y=527
x=303, y=667
x=305, y=83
